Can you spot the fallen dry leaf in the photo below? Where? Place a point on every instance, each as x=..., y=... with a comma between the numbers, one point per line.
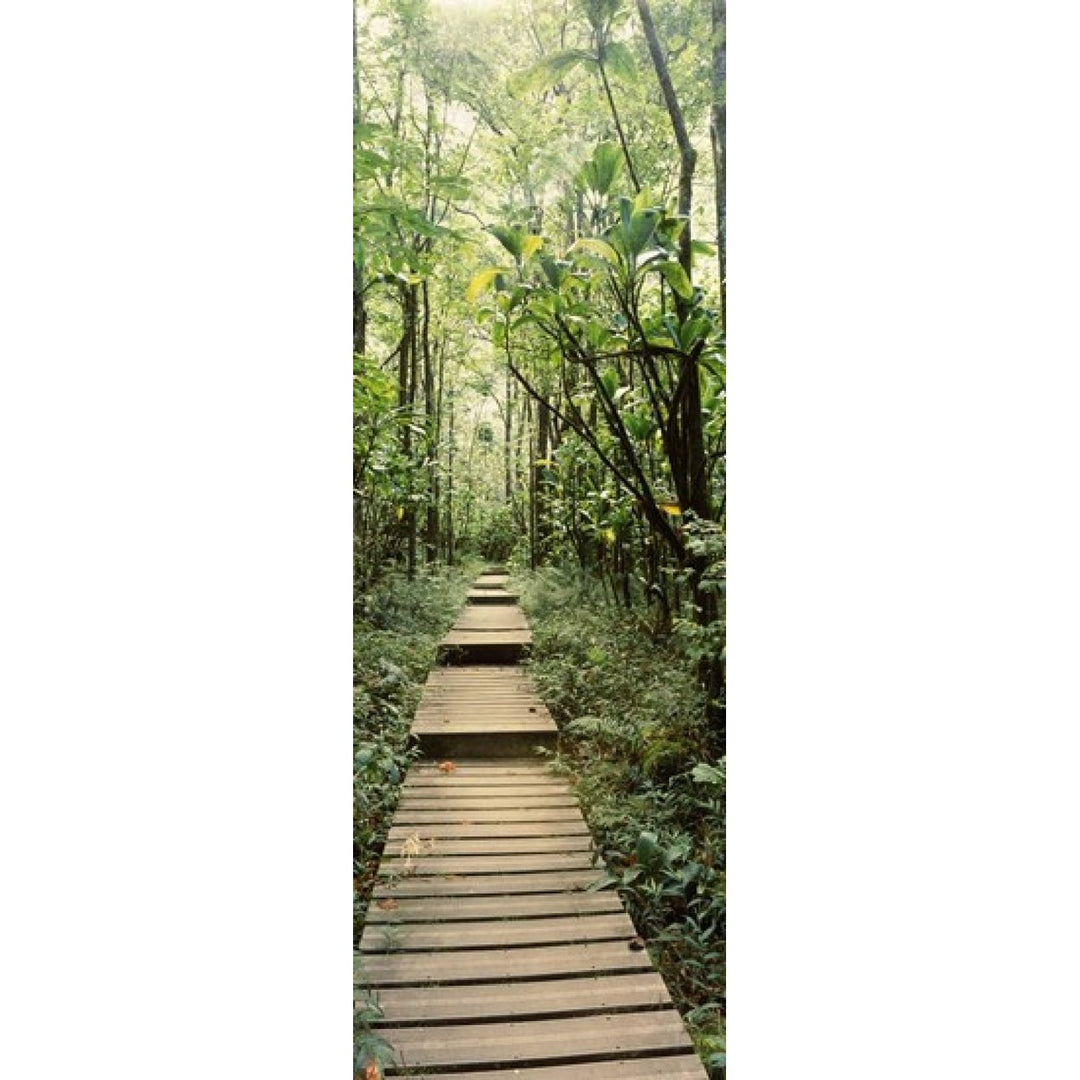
x=636, y=944
x=371, y=1071
x=447, y=766
x=386, y=905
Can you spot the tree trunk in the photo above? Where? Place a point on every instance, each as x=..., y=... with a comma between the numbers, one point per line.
x=718, y=133
x=687, y=153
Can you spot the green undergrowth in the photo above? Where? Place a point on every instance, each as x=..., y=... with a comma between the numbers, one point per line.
x=649, y=774
x=398, y=626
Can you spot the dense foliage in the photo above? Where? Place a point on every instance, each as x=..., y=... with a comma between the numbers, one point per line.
x=650, y=777
x=398, y=626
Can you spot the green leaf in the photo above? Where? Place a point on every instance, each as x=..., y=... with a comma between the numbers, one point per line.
x=676, y=277
x=647, y=851
x=451, y=187
x=511, y=239
x=530, y=246
x=707, y=774
x=620, y=61
x=601, y=248
x=549, y=71
x=601, y=170
x=484, y=280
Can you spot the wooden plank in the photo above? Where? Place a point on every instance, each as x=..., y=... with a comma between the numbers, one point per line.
x=440, y=813
x=545, y=881
x=480, y=908
x=493, y=845
x=458, y=778
x=520, y=717
x=499, y=595
x=551, y=997
x=491, y=581
x=496, y=934
x=446, y=801
x=428, y=865
x=461, y=638
x=485, y=767
x=470, y=704
x=571, y=1039
x=501, y=965
x=526, y=787
x=492, y=617
x=514, y=832
x=667, y=1067
x=493, y=672
x=521, y=728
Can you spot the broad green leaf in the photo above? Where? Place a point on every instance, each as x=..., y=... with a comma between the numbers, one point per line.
x=601, y=170
x=483, y=280
x=642, y=224
x=707, y=774
x=554, y=270
x=620, y=61
x=511, y=239
x=549, y=71
x=530, y=246
x=676, y=277
x=594, y=246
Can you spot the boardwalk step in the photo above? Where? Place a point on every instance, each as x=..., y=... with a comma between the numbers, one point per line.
x=678, y=1067
x=491, y=596
x=569, y=1039
x=480, y=647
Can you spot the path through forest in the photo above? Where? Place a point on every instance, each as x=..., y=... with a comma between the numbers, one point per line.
x=482, y=941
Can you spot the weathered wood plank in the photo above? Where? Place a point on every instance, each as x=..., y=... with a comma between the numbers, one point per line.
x=494, y=845
x=538, y=1041
x=453, y=885
x=499, y=595
x=460, y=638
x=491, y=796
x=502, y=717
x=505, y=830
x=492, y=581
x=458, y=778
x=485, y=767
x=495, y=934
x=467, y=802
x=480, y=908
x=501, y=965
x=551, y=997
x=427, y=814
x=492, y=617
x=492, y=672
x=428, y=865
x=668, y=1067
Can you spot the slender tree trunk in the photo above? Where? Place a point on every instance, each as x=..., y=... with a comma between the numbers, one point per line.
x=431, y=418
x=718, y=133
x=687, y=153
x=508, y=433
x=615, y=116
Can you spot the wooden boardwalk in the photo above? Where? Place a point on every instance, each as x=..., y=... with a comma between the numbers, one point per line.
x=487, y=954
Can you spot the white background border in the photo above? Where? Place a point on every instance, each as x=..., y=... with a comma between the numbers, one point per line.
x=175, y=577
